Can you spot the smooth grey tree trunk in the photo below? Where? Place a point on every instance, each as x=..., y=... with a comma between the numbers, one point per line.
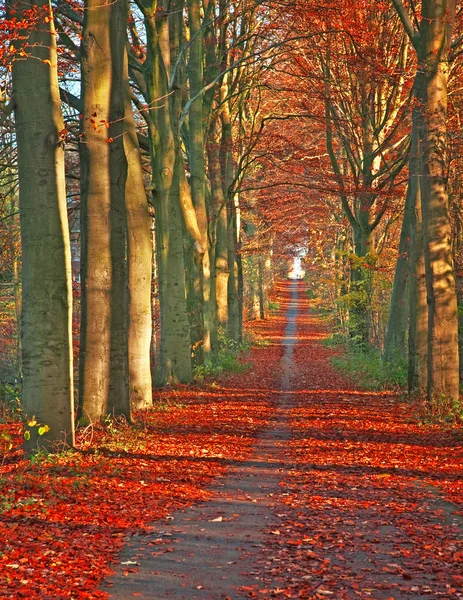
x=397, y=326
x=139, y=258
x=104, y=370
x=46, y=258
x=200, y=271
x=418, y=307
x=172, y=209
x=443, y=364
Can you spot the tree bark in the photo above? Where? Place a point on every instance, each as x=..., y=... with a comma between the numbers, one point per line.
x=46, y=271
x=261, y=286
x=395, y=343
x=235, y=298
x=220, y=225
x=435, y=31
x=418, y=307
x=200, y=275
x=361, y=283
x=139, y=264
x=232, y=212
x=167, y=167
x=104, y=384
x=418, y=328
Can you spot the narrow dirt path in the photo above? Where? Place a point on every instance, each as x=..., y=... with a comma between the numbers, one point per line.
x=207, y=551
x=344, y=496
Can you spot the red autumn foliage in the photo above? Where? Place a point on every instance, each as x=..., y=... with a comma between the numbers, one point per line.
x=64, y=518
x=370, y=503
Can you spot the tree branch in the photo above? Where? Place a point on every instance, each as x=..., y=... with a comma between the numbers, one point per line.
x=410, y=30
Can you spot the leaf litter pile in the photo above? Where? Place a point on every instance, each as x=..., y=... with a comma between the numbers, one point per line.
x=371, y=502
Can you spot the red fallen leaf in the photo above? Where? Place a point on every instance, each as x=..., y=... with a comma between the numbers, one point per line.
x=457, y=580
x=248, y=588
x=136, y=594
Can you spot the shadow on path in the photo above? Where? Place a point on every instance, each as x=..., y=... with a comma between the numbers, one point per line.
x=317, y=511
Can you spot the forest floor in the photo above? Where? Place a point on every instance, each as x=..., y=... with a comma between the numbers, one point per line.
x=285, y=481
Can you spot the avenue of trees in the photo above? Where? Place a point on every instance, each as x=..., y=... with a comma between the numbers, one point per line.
x=195, y=146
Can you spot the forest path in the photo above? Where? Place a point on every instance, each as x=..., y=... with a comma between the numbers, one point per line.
x=344, y=496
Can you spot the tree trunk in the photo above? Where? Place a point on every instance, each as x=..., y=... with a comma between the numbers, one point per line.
x=234, y=296
x=417, y=339
x=232, y=213
x=200, y=286
x=104, y=384
x=418, y=326
x=435, y=31
x=220, y=226
x=361, y=284
x=261, y=286
x=252, y=292
x=139, y=265
x=46, y=272
x=395, y=346
x=167, y=163
x=16, y=285
x=239, y=264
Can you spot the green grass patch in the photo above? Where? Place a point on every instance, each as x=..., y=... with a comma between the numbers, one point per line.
x=227, y=359
x=273, y=305
x=367, y=367
x=223, y=362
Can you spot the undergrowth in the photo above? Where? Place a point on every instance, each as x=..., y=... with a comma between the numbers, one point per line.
x=10, y=404
x=447, y=411
x=227, y=359
x=273, y=306
x=367, y=367
x=370, y=372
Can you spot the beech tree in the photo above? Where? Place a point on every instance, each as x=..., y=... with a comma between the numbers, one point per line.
x=200, y=270
x=139, y=247
x=430, y=32
x=172, y=196
x=139, y=256
x=104, y=378
x=46, y=271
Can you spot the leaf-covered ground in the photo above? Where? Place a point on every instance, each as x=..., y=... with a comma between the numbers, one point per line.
x=370, y=503
x=64, y=518
x=374, y=504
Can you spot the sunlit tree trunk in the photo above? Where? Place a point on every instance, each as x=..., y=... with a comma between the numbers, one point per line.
x=436, y=30
x=418, y=307
x=232, y=213
x=261, y=287
x=432, y=42
x=200, y=286
x=235, y=297
x=219, y=224
x=139, y=265
x=172, y=198
x=104, y=383
x=418, y=328
x=46, y=271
